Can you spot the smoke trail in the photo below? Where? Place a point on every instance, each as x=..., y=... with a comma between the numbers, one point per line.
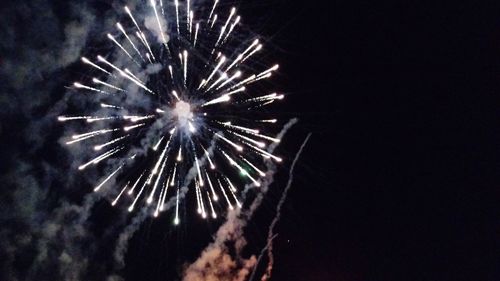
x=123, y=239
x=271, y=235
x=215, y=262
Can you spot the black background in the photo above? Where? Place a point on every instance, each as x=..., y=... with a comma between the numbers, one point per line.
x=400, y=178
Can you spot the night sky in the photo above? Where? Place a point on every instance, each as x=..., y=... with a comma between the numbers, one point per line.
x=399, y=181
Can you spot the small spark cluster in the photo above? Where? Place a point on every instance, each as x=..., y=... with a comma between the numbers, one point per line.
x=198, y=127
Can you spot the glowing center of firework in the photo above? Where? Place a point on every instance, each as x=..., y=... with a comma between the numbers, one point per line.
x=183, y=112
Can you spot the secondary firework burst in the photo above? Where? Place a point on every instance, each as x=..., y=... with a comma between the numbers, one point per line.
x=178, y=108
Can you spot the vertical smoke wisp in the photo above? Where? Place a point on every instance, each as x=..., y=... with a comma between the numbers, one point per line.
x=124, y=237
x=271, y=235
x=216, y=262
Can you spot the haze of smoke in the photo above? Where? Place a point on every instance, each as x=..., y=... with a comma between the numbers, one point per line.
x=151, y=23
x=215, y=262
x=43, y=235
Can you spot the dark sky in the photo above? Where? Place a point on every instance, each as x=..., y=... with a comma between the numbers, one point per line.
x=400, y=180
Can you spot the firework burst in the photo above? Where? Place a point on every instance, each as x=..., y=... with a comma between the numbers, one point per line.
x=178, y=107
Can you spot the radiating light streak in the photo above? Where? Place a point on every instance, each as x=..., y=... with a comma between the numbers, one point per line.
x=212, y=166
x=140, y=118
x=242, y=171
x=67, y=118
x=150, y=198
x=120, y=27
x=214, y=195
x=262, y=77
x=99, y=147
x=173, y=175
x=274, y=68
x=245, y=129
x=258, y=143
x=198, y=199
x=254, y=43
x=179, y=155
x=146, y=43
x=131, y=208
x=95, y=119
x=107, y=179
x=160, y=159
x=176, y=2
x=232, y=190
x=133, y=76
x=224, y=27
x=191, y=16
x=97, y=132
x=212, y=11
x=124, y=74
x=97, y=81
x=196, y=33
x=200, y=178
x=127, y=10
x=203, y=212
x=81, y=86
x=267, y=120
x=238, y=58
x=163, y=191
x=231, y=29
x=155, y=147
x=258, y=48
x=214, y=215
x=223, y=98
x=131, y=190
x=276, y=140
x=149, y=58
x=265, y=103
x=221, y=61
x=185, y=53
x=174, y=93
x=162, y=199
x=235, y=76
x=99, y=158
x=261, y=173
x=119, y=195
x=192, y=129
x=221, y=78
x=187, y=14
x=225, y=195
x=243, y=82
x=176, y=220
x=269, y=97
x=78, y=138
x=112, y=38
x=265, y=153
x=238, y=147
x=213, y=22
x=87, y=61
x=171, y=72
x=128, y=128
x=241, y=89
x=158, y=21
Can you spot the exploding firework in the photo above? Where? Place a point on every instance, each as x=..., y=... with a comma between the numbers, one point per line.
x=180, y=101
